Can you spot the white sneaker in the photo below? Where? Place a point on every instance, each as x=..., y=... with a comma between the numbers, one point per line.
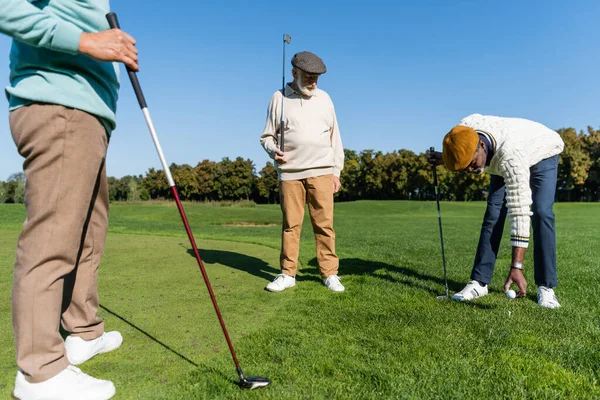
x=547, y=298
x=79, y=350
x=333, y=283
x=473, y=290
x=281, y=282
x=69, y=384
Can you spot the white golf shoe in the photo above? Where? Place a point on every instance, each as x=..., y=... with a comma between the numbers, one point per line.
x=79, y=350
x=472, y=291
x=546, y=297
x=333, y=283
x=281, y=282
x=69, y=384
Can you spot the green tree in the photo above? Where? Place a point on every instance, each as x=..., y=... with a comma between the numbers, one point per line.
x=592, y=147
x=236, y=179
x=120, y=189
x=186, y=182
x=2, y=192
x=205, y=174
x=155, y=183
x=350, y=177
x=372, y=174
x=420, y=180
x=133, y=193
x=573, y=166
x=144, y=195
x=402, y=170
x=14, y=188
x=267, y=185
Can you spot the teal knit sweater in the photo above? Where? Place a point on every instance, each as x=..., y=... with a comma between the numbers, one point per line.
x=44, y=62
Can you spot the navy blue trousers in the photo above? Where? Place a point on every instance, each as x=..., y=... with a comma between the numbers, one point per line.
x=543, y=187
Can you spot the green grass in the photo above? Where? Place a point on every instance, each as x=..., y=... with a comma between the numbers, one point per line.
x=385, y=337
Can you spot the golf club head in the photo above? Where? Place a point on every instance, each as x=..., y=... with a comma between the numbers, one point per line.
x=443, y=297
x=254, y=382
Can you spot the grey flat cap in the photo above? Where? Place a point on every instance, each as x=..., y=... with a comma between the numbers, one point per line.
x=309, y=63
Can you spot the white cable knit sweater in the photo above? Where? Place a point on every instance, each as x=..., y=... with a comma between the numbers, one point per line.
x=519, y=144
x=312, y=137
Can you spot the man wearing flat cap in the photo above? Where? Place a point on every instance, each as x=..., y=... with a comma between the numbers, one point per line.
x=522, y=158
x=308, y=168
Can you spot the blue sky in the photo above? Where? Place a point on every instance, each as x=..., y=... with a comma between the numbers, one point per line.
x=400, y=73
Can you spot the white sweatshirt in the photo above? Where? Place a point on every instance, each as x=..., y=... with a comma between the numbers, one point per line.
x=519, y=144
x=311, y=138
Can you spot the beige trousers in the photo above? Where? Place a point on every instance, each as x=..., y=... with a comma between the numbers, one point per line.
x=318, y=193
x=60, y=247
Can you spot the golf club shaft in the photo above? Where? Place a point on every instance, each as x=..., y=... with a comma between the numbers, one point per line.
x=281, y=122
x=437, y=199
x=114, y=23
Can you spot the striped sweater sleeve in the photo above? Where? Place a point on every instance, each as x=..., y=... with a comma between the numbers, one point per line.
x=515, y=170
x=26, y=23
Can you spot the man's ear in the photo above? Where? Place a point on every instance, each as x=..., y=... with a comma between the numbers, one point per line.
x=294, y=73
x=482, y=144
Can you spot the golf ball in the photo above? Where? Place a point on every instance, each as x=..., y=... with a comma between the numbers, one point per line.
x=511, y=294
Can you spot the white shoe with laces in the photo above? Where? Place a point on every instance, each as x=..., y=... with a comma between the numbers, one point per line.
x=472, y=291
x=546, y=297
x=281, y=282
x=69, y=384
x=79, y=350
x=333, y=283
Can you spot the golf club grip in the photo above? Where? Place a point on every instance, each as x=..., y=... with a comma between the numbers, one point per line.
x=434, y=168
x=113, y=22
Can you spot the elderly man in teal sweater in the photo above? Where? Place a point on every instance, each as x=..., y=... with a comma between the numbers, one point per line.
x=62, y=100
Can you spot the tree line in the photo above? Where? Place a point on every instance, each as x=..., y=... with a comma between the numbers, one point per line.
x=368, y=174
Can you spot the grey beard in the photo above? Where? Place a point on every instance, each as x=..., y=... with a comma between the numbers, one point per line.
x=304, y=90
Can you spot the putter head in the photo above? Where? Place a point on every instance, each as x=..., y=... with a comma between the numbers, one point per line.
x=443, y=297
x=254, y=382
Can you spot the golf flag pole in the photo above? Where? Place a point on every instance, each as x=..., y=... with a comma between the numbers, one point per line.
x=245, y=383
x=286, y=39
x=437, y=199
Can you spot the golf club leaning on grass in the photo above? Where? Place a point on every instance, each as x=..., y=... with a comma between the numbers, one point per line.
x=437, y=199
x=245, y=383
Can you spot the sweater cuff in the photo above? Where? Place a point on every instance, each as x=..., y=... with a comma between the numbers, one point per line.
x=66, y=38
x=519, y=230
x=519, y=241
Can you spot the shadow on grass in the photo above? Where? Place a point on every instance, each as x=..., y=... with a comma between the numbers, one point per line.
x=401, y=275
x=114, y=314
x=348, y=266
x=252, y=265
x=391, y=273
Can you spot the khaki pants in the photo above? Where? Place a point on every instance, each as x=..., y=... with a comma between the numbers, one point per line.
x=294, y=195
x=59, y=249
